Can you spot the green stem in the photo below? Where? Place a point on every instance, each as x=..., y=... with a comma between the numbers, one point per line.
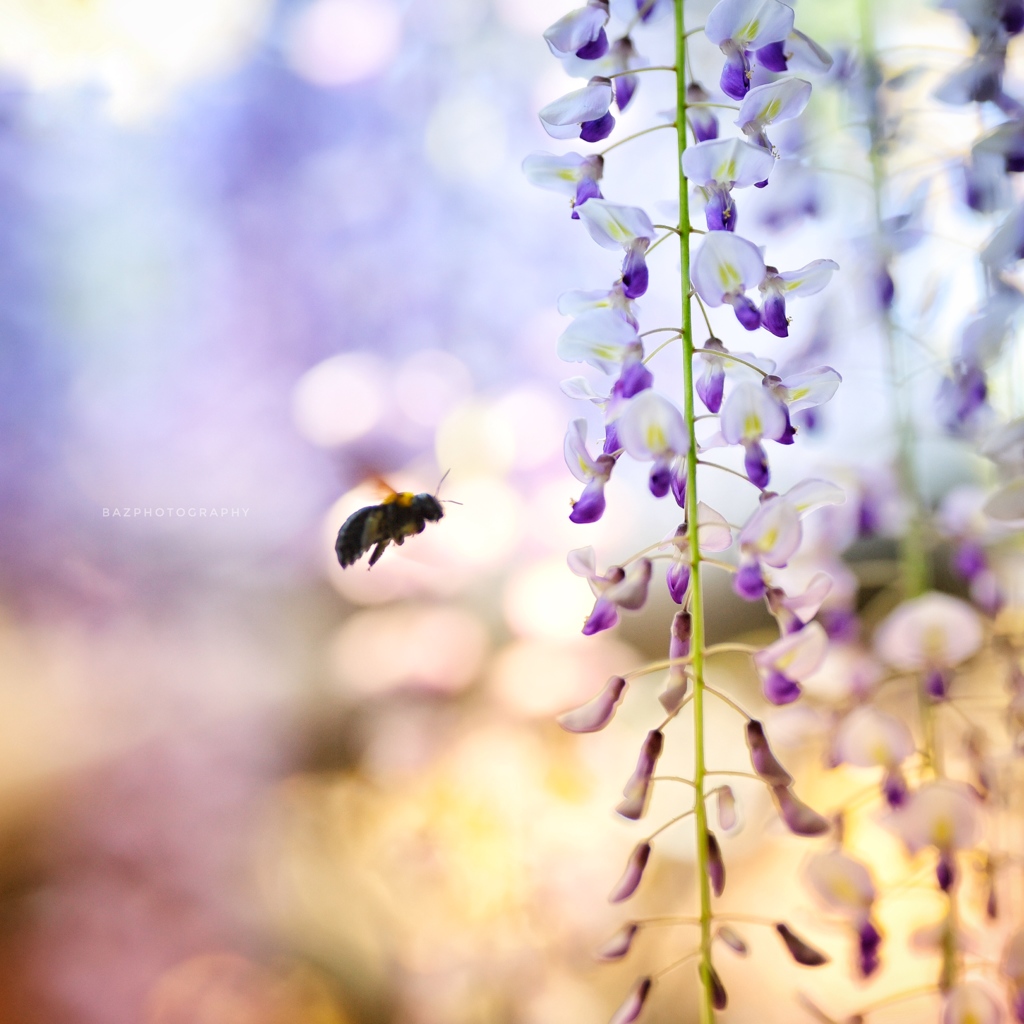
x=707, y=1013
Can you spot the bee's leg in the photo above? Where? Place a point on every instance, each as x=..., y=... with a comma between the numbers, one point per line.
x=377, y=552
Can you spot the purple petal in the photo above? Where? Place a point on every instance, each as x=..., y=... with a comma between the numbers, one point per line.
x=755, y=462
x=734, y=81
x=799, y=950
x=678, y=483
x=634, y=270
x=681, y=631
x=634, y=1003
x=869, y=941
x=703, y=122
x=625, y=87
x=746, y=312
x=762, y=759
x=591, y=504
x=627, y=884
x=720, y=212
x=611, y=439
x=598, y=711
x=945, y=872
x=619, y=944
x=778, y=689
x=719, y=997
x=732, y=939
x=596, y=48
x=748, y=582
x=773, y=315
x=595, y=131
x=885, y=288
x=726, y=801
x=710, y=388
x=638, y=787
x=604, y=616
x=894, y=788
x=716, y=865
x=635, y=377
x=969, y=560
x=660, y=479
x=678, y=579
x=671, y=698
x=936, y=685
x=800, y=819
x=586, y=188
x=772, y=57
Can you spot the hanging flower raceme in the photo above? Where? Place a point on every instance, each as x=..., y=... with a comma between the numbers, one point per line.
x=581, y=114
x=742, y=29
x=930, y=634
x=776, y=287
x=625, y=227
x=724, y=268
x=618, y=588
x=651, y=429
x=719, y=166
x=571, y=174
x=580, y=32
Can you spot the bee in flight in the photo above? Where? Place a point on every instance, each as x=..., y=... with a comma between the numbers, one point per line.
x=401, y=514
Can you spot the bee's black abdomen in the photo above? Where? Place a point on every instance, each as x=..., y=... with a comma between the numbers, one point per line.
x=376, y=526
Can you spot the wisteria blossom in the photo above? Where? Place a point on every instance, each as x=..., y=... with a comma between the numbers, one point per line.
x=744, y=29
x=776, y=288
x=595, y=473
x=931, y=634
x=719, y=166
x=651, y=429
x=571, y=174
x=844, y=885
x=580, y=32
x=581, y=114
x=626, y=227
x=618, y=588
x=724, y=269
x=768, y=104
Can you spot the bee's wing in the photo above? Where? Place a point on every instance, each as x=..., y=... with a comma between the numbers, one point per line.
x=362, y=529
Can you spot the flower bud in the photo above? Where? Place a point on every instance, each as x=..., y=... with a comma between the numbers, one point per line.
x=627, y=884
x=638, y=789
x=799, y=950
x=634, y=1003
x=597, y=712
x=620, y=943
x=762, y=758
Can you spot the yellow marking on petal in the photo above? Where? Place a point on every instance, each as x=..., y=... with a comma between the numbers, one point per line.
x=656, y=441
x=767, y=540
x=749, y=30
x=729, y=277
x=769, y=111
x=798, y=393
x=752, y=425
x=942, y=832
x=845, y=891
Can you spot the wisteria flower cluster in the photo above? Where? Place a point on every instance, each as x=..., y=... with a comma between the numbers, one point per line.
x=747, y=404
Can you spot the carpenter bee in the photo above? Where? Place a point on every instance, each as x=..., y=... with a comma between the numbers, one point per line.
x=399, y=515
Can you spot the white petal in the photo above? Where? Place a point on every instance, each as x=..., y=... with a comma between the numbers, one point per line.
x=796, y=655
x=930, y=631
x=575, y=29
x=713, y=529
x=577, y=458
x=558, y=173
x=804, y=54
x=750, y=413
x=868, y=737
x=810, y=388
x=749, y=23
x=651, y=426
x=586, y=104
x=809, y=495
x=614, y=226
x=971, y=1002
x=776, y=101
x=730, y=162
x=575, y=302
x=580, y=387
x=583, y=562
x=1007, y=504
x=772, y=532
x=599, y=337
x=806, y=604
x=843, y=883
x=942, y=814
x=810, y=279
x=724, y=264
